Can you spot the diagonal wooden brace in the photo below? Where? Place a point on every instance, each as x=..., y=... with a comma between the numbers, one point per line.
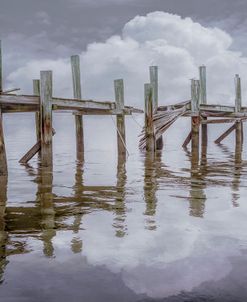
x=225, y=134
x=34, y=150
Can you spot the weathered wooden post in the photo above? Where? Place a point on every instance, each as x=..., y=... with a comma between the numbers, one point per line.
x=46, y=117
x=3, y=158
x=238, y=106
x=154, y=80
x=195, y=121
x=36, y=91
x=203, y=100
x=149, y=126
x=119, y=99
x=76, y=77
x=3, y=234
x=1, y=68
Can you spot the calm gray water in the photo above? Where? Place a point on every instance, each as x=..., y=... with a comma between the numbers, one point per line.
x=144, y=229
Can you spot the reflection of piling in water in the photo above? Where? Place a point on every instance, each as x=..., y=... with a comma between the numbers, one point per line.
x=150, y=188
x=45, y=199
x=120, y=206
x=3, y=235
x=76, y=242
x=237, y=163
x=197, y=194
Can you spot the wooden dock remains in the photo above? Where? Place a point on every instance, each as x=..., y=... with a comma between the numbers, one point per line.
x=44, y=104
x=157, y=118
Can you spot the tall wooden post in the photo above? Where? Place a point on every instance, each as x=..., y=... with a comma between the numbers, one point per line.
x=195, y=122
x=46, y=117
x=149, y=127
x=1, y=68
x=119, y=99
x=76, y=77
x=3, y=158
x=238, y=94
x=203, y=100
x=238, y=106
x=36, y=91
x=154, y=80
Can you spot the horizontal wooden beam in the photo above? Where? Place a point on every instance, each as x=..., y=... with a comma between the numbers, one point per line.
x=223, y=120
x=18, y=108
x=125, y=111
x=81, y=104
x=217, y=108
x=30, y=103
x=11, y=99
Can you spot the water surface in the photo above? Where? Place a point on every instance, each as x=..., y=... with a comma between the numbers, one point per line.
x=169, y=227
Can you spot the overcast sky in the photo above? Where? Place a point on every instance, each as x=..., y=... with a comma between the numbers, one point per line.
x=55, y=28
x=43, y=34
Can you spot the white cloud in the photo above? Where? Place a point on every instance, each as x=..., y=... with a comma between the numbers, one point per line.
x=178, y=46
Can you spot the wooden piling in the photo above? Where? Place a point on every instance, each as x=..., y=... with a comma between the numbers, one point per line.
x=1, y=68
x=238, y=94
x=76, y=77
x=36, y=91
x=119, y=99
x=149, y=126
x=238, y=106
x=203, y=100
x=154, y=80
x=46, y=117
x=3, y=158
x=204, y=126
x=195, y=121
x=203, y=85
